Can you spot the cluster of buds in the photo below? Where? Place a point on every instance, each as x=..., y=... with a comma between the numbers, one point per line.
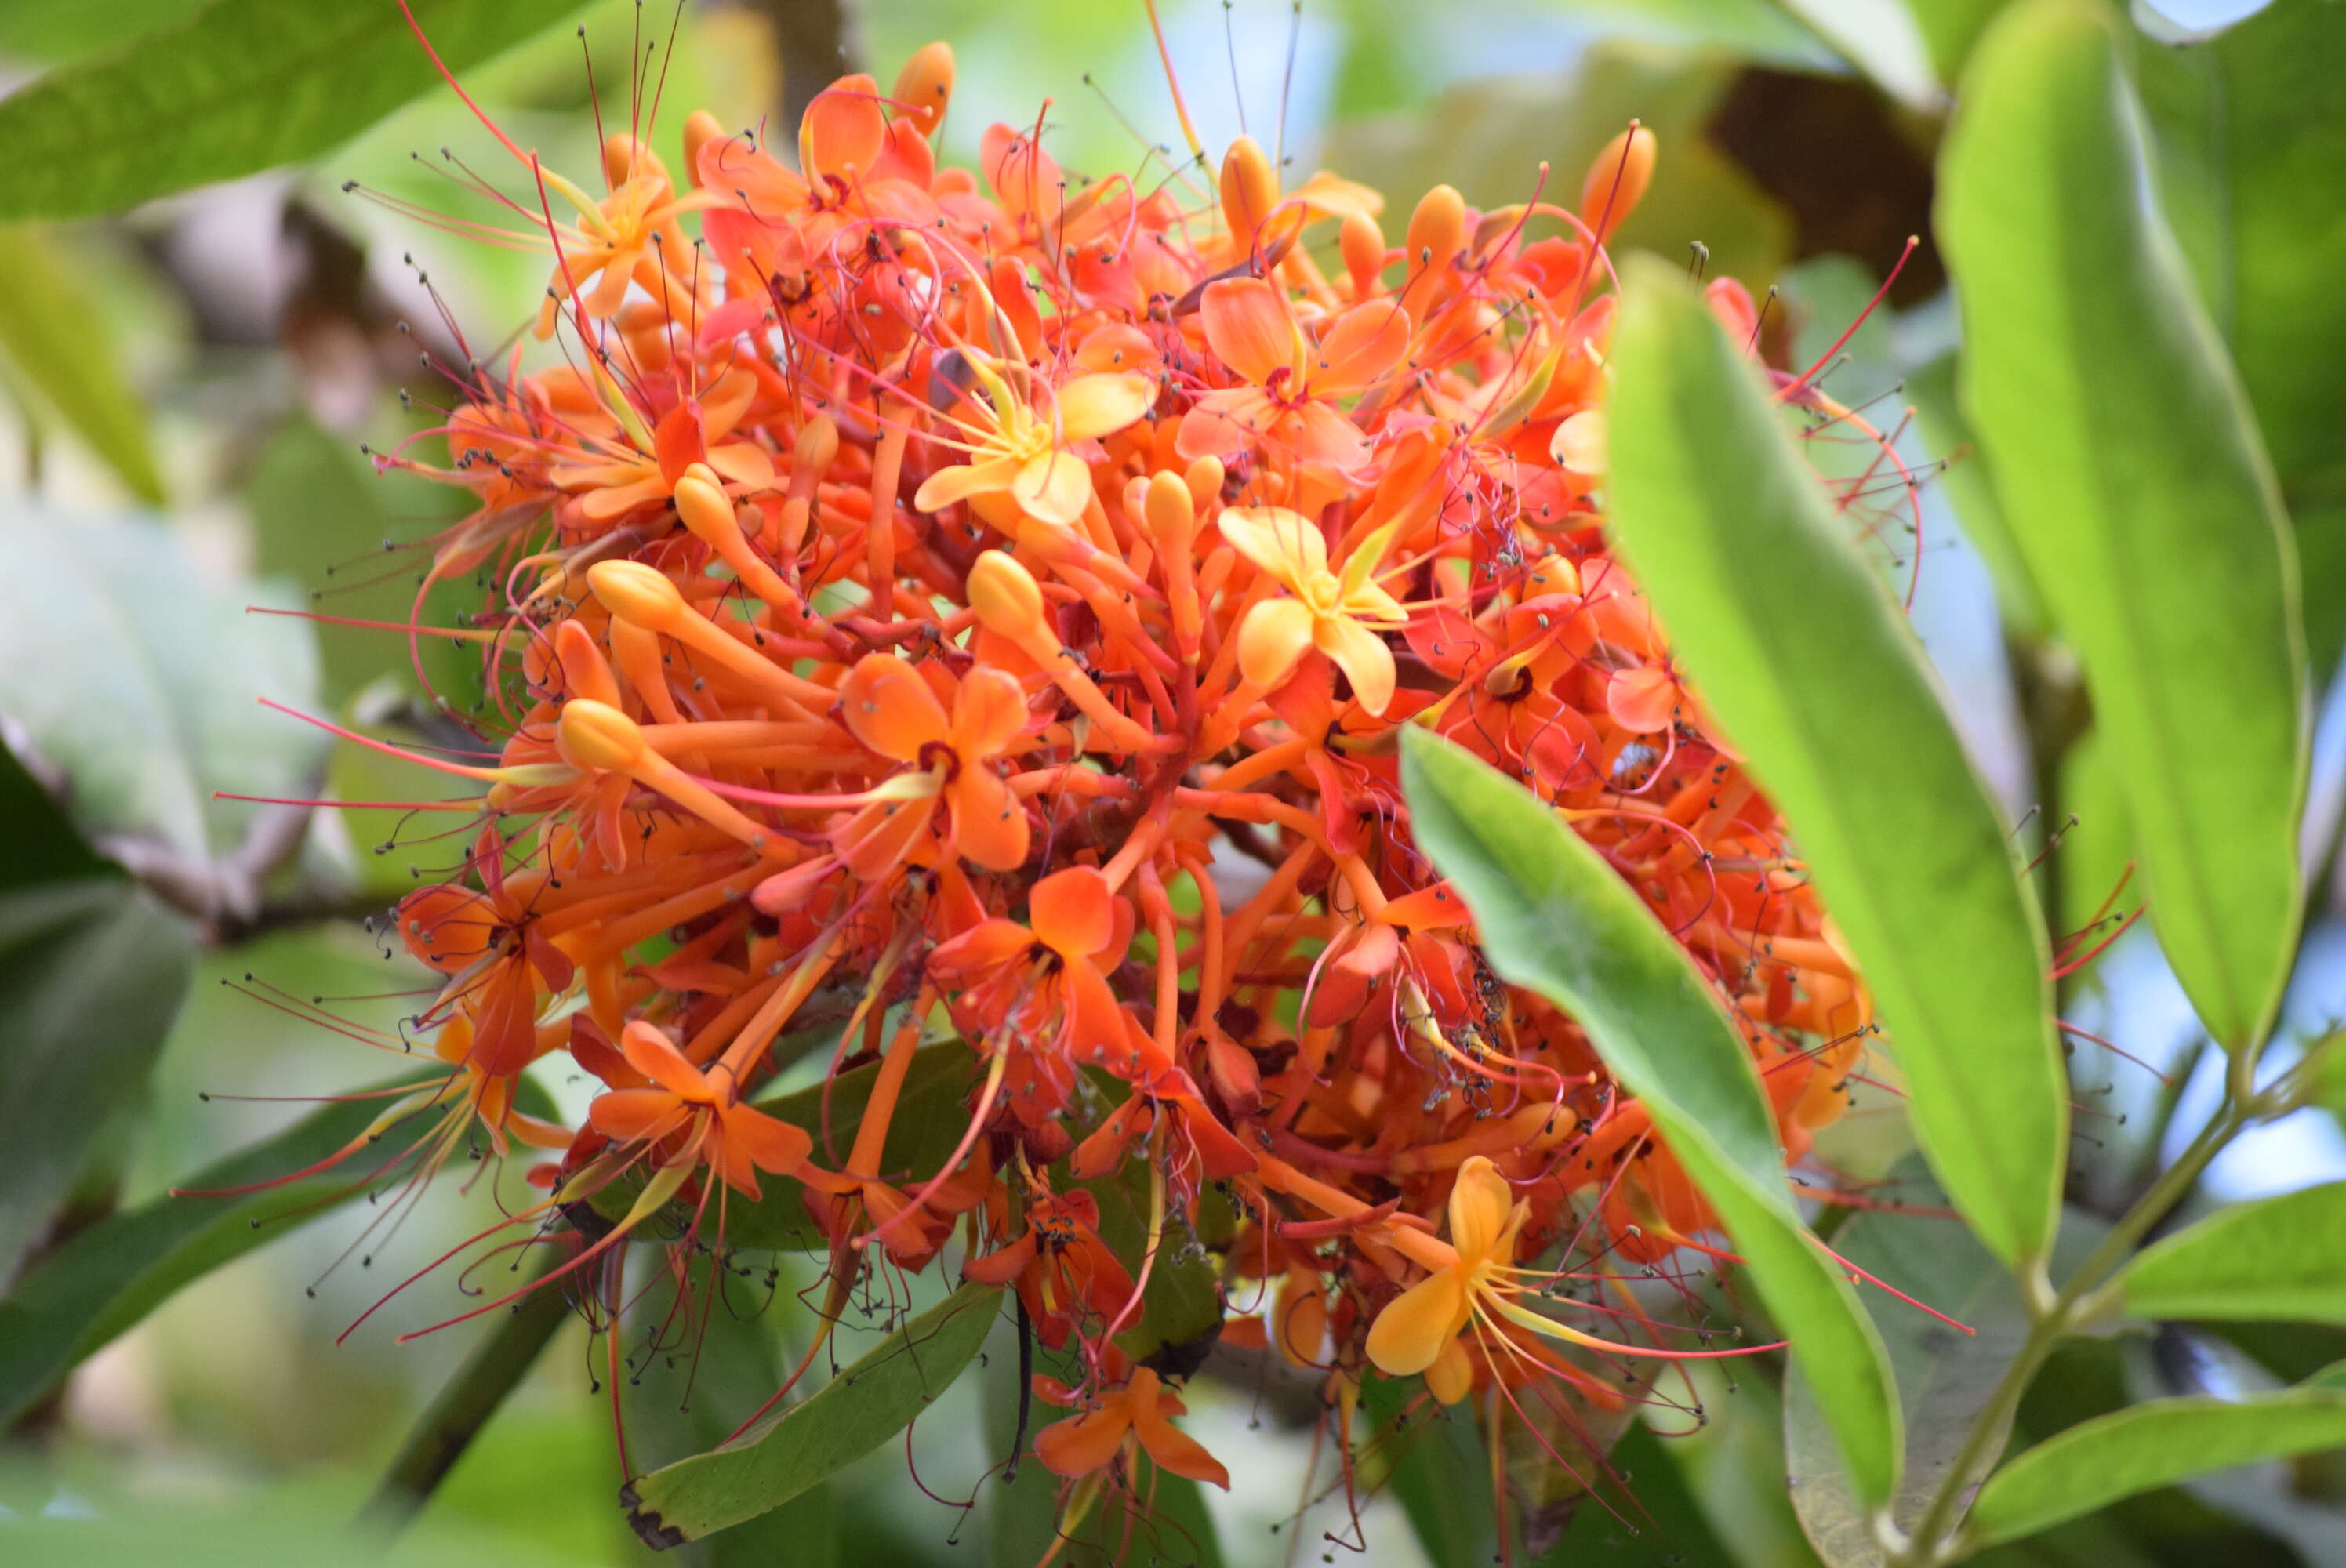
x=961, y=623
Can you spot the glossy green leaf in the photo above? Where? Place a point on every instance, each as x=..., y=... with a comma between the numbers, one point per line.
x=2250, y=128
x=2139, y=490
x=1946, y=1375
x=2153, y=1444
x=91, y=975
x=848, y=1417
x=1556, y=919
x=1819, y=682
x=76, y=1299
x=54, y=334
x=136, y=675
x=241, y=85
x=2280, y=1257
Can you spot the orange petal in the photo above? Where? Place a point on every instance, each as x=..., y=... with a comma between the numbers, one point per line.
x=982, y=948
x=655, y=1055
x=1643, y=698
x=1073, y=911
x=989, y=825
x=1054, y=487
x=947, y=485
x=1175, y=1450
x=1287, y=545
x=1452, y=1377
x=1081, y=1444
x=636, y=1115
x=1250, y=329
x=890, y=707
x=989, y=710
x=843, y=128
x=1360, y=347
x=1479, y=1205
x=1274, y=636
x=770, y=1143
x=1408, y=1334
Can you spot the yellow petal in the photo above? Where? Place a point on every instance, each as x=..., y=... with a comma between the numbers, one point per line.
x=1287, y=545
x=1408, y=1334
x=1478, y=1208
x=1452, y=1377
x=1102, y=404
x=1054, y=488
x=947, y=485
x=1359, y=653
x=1273, y=635
x=1579, y=443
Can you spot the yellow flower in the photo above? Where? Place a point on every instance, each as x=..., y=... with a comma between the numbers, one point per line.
x=1032, y=459
x=1339, y=615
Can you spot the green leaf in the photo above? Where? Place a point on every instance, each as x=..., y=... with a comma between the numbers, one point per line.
x=91, y=974
x=2281, y=1258
x=54, y=334
x=1880, y=37
x=41, y=844
x=1660, y=1525
x=2149, y=1445
x=135, y=673
x=2139, y=490
x=1970, y=489
x=76, y=1299
x=1945, y=1376
x=1437, y=1467
x=848, y=1417
x=1556, y=919
x=1793, y=643
x=241, y=85
x=2250, y=128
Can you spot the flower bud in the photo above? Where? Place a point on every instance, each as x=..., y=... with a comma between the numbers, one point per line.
x=1618, y=179
x=1008, y=601
x=924, y=87
x=596, y=735
x=1436, y=230
x=1171, y=513
x=585, y=671
x=815, y=451
x=702, y=504
x=637, y=592
x=1362, y=245
x=701, y=128
x=1250, y=190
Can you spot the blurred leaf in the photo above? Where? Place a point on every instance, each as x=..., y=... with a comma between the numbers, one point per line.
x=42, y=844
x=1438, y=1470
x=318, y=521
x=91, y=973
x=1554, y=918
x=2128, y=461
x=137, y=674
x=2281, y=1258
x=51, y=30
x=1950, y=28
x=55, y=333
x=241, y=85
x=1945, y=1376
x=2152, y=1444
x=848, y=1417
x=76, y=1299
x=1659, y=1524
x=2250, y=127
x=1880, y=39
x=2095, y=853
x=1818, y=679
x=1489, y=138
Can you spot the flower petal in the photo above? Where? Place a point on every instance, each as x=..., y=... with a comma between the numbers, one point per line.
x=989, y=825
x=1359, y=348
x=1287, y=545
x=1081, y=1444
x=1410, y=1333
x=1250, y=329
x=1359, y=653
x=1097, y=405
x=843, y=128
x=890, y=709
x=654, y=1055
x=964, y=480
x=1272, y=638
x=1643, y=698
x=988, y=712
x=1054, y=487
x=636, y=1115
x=1175, y=1450
x=1479, y=1205
x=770, y=1143
x=1073, y=911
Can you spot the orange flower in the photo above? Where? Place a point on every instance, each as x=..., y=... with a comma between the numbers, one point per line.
x=1291, y=384
x=1137, y=1411
x=735, y=1140
x=1074, y=927
x=892, y=710
x=1333, y=613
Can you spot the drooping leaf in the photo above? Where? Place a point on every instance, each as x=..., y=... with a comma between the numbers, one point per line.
x=848, y=1417
x=1554, y=918
x=2152, y=1444
x=1437, y=1468
x=111, y=1275
x=2128, y=461
x=136, y=675
x=2278, y=1258
x=241, y=85
x=1880, y=37
x=53, y=333
x=1818, y=681
x=1946, y=1374
x=91, y=974
x=2250, y=128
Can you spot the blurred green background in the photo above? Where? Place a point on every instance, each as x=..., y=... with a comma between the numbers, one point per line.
x=186, y=387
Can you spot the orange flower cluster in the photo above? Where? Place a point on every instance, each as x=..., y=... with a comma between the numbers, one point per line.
x=961, y=622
